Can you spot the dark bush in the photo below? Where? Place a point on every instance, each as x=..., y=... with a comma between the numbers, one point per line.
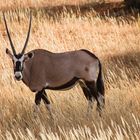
x=132, y=3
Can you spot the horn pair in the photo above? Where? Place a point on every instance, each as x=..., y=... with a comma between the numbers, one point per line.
x=27, y=38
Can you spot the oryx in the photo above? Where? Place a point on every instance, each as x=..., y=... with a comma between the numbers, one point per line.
x=40, y=69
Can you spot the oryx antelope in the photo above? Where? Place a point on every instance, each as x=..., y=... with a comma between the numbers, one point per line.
x=40, y=69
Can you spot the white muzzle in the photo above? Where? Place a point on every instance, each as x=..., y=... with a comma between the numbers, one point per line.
x=18, y=75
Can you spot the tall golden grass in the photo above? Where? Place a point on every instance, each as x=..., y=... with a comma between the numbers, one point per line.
x=36, y=3
x=117, y=46
x=12, y=4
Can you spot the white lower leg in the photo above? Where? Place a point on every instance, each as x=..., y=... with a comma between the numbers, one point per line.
x=90, y=106
x=49, y=108
x=36, y=110
x=100, y=104
x=101, y=100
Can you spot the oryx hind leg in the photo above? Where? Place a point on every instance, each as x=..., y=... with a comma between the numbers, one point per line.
x=88, y=96
x=96, y=95
x=100, y=103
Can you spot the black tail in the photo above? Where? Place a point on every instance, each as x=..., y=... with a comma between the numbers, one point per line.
x=100, y=82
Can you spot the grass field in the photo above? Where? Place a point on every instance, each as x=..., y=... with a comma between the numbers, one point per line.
x=12, y=4
x=115, y=41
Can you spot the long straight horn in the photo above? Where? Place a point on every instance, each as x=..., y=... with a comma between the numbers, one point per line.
x=11, y=43
x=25, y=45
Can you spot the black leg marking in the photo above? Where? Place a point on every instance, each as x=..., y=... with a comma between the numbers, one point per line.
x=45, y=98
x=96, y=95
x=86, y=90
x=87, y=93
x=42, y=95
x=93, y=89
x=88, y=96
x=38, y=97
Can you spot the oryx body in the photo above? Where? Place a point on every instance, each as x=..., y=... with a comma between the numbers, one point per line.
x=40, y=69
x=56, y=70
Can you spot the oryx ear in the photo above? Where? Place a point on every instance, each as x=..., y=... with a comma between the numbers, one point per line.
x=28, y=56
x=9, y=53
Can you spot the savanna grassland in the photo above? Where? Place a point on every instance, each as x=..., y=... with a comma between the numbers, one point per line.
x=114, y=39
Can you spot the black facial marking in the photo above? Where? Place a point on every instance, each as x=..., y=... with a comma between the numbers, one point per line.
x=18, y=64
x=18, y=56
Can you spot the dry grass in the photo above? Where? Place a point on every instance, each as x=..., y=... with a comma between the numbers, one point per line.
x=36, y=3
x=118, y=47
x=12, y=4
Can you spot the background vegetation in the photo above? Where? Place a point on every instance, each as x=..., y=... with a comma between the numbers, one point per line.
x=132, y=3
x=113, y=36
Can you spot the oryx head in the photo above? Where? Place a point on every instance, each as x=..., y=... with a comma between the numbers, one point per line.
x=20, y=58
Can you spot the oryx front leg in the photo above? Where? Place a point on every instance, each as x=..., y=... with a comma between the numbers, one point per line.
x=90, y=106
x=37, y=103
x=47, y=103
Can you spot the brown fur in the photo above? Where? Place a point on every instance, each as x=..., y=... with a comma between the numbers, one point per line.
x=56, y=69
